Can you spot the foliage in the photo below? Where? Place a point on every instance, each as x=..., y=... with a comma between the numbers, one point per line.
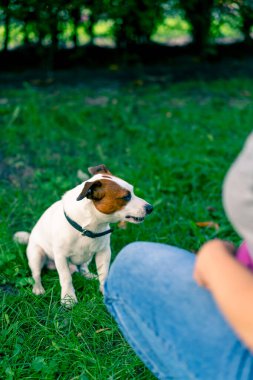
x=241, y=11
x=44, y=24
x=135, y=22
x=246, y=13
x=46, y=21
x=174, y=143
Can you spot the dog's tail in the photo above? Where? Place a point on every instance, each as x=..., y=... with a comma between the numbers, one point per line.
x=21, y=237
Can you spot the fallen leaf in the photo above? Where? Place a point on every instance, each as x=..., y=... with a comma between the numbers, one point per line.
x=209, y=224
x=139, y=82
x=211, y=208
x=49, y=80
x=41, y=82
x=82, y=176
x=246, y=93
x=36, y=82
x=122, y=225
x=3, y=101
x=114, y=67
x=99, y=101
x=101, y=330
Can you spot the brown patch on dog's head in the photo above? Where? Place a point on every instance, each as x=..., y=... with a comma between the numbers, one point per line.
x=107, y=196
x=100, y=169
x=114, y=197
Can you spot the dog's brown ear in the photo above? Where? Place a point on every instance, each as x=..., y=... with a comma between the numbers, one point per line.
x=99, y=170
x=91, y=190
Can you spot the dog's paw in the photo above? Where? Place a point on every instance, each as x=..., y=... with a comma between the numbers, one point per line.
x=38, y=289
x=68, y=300
x=102, y=289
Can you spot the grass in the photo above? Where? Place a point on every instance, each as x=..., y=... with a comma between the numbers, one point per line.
x=173, y=142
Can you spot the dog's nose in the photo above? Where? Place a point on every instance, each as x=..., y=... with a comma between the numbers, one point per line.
x=148, y=208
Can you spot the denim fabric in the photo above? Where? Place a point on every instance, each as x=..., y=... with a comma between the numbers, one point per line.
x=172, y=324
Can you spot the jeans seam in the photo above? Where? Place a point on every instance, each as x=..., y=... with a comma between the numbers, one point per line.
x=109, y=301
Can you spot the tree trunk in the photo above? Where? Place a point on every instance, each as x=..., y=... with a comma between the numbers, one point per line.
x=6, y=24
x=76, y=20
x=247, y=22
x=25, y=32
x=54, y=40
x=199, y=14
x=90, y=31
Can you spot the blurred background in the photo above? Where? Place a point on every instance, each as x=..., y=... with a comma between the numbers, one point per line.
x=62, y=34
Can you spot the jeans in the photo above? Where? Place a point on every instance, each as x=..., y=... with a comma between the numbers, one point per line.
x=172, y=324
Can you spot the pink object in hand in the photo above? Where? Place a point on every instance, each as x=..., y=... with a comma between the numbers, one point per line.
x=244, y=257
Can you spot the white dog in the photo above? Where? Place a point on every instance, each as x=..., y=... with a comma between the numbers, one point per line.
x=76, y=228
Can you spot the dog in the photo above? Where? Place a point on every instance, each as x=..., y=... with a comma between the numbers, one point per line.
x=75, y=228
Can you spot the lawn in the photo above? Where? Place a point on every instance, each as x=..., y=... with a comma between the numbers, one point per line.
x=174, y=142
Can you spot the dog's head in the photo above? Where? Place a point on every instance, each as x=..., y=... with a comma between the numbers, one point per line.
x=114, y=197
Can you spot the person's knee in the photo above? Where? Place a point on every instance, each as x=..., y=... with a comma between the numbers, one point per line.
x=145, y=262
x=134, y=254
x=128, y=257
x=128, y=266
x=131, y=248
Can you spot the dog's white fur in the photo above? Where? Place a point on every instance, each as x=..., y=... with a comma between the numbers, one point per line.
x=54, y=241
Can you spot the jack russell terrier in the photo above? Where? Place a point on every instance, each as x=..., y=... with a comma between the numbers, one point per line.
x=76, y=228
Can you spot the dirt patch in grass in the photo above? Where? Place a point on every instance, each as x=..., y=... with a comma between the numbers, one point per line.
x=15, y=172
x=8, y=289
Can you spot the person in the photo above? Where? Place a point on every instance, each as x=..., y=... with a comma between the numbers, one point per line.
x=190, y=317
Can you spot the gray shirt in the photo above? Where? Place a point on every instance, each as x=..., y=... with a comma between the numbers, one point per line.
x=238, y=193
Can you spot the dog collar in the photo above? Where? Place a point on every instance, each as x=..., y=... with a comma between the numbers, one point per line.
x=85, y=232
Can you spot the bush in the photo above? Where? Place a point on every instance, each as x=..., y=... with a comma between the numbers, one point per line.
x=135, y=22
x=241, y=12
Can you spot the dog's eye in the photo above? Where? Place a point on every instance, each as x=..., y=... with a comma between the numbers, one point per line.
x=127, y=197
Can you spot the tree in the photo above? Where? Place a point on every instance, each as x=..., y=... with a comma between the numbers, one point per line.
x=135, y=21
x=6, y=9
x=199, y=15
x=246, y=12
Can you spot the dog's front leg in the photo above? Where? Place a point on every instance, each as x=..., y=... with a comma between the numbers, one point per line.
x=68, y=296
x=102, y=263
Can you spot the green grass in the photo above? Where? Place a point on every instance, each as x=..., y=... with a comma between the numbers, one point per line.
x=173, y=142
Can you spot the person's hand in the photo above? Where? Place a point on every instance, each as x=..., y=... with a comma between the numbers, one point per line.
x=209, y=256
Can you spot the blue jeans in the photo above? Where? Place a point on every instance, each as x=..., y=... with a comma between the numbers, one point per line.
x=173, y=325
